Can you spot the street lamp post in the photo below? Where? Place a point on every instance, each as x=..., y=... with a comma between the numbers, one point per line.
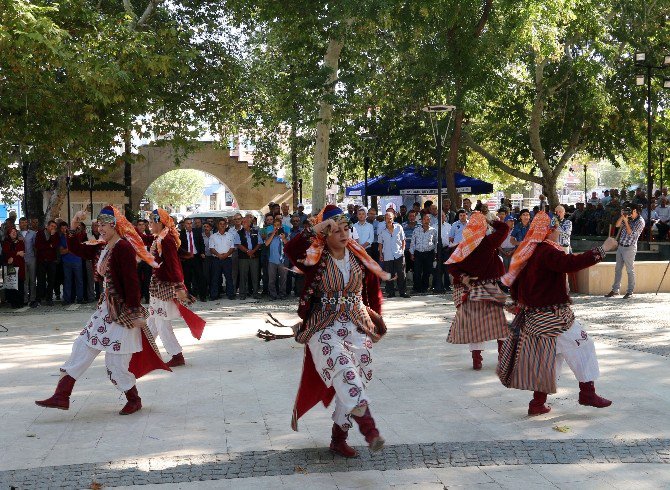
x=24, y=169
x=300, y=188
x=642, y=61
x=90, y=193
x=366, y=164
x=433, y=111
x=68, y=178
x=661, y=158
x=585, y=190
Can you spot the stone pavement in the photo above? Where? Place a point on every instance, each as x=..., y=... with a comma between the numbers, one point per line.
x=223, y=420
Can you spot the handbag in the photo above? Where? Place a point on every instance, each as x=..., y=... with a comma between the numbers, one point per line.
x=11, y=275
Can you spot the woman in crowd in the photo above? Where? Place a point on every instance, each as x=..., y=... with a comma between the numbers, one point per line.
x=13, y=252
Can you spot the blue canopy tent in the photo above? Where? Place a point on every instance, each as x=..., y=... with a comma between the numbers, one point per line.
x=417, y=181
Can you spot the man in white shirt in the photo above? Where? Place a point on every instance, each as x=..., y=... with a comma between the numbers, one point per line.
x=456, y=232
x=422, y=249
x=392, y=252
x=221, y=245
x=364, y=230
x=663, y=225
x=285, y=216
x=445, y=253
x=28, y=236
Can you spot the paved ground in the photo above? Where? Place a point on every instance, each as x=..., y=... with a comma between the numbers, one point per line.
x=223, y=420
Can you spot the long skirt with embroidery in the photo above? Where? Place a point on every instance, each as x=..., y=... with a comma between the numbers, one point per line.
x=119, y=343
x=479, y=314
x=104, y=334
x=343, y=358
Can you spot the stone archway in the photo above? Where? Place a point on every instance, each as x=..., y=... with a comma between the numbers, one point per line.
x=153, y=161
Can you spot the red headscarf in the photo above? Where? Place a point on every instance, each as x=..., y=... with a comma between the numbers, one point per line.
x=539, y=231
x=473, y=234
x=316, y=249
x=109, y=214
x=169, y=228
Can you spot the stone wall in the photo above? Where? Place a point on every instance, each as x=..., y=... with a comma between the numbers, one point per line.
x=598, y=279
x=153, y=161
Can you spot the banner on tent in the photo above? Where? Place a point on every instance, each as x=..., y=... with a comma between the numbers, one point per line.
x=419, y=192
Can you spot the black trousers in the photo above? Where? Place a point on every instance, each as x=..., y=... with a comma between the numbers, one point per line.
x=446, y=281
x=423, y=268
x=373, y=251
x=395, y=267
x=193, y=277
x=46, y=280
x=144, y=275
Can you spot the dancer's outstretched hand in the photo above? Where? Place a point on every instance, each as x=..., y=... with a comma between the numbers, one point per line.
x=610, y=244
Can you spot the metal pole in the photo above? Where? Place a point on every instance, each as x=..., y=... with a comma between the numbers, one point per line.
x=585, y=190
x=300, y=188
x=25, y=187
x=649, y=177
x=661, y=158
x=90, y=192
x=366, y=167
x=67, y=181
x=437, y=283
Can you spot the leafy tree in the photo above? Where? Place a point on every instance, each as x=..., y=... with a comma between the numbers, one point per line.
x=89, y=75
x=177, y=188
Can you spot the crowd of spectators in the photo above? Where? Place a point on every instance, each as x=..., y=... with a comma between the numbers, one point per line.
x=238, y=257
x=599, y=214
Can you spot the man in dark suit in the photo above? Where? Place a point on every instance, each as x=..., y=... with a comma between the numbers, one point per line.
x=249, y=258
x=192, y=255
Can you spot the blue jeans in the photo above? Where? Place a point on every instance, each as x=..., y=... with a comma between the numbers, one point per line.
x=73, y=270
x=225, y=267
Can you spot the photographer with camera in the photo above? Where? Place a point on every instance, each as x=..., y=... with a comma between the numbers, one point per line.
x=632, y=225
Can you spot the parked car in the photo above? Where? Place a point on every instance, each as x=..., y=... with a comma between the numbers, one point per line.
x=226, y=212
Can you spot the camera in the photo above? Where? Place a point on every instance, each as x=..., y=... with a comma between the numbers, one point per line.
x=627, y=211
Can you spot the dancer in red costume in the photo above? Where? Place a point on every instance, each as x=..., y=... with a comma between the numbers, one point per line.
x=545, y=332
x=118, y=325
x=168, y=295
x=476, y=268
x=340, y=306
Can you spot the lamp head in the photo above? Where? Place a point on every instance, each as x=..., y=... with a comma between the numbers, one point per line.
x=438, y=108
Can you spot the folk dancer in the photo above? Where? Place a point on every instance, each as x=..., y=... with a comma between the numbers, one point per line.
x=476, y=268
x=545, y=332
x=340, y=306
x=167, y=291
x=118, y=325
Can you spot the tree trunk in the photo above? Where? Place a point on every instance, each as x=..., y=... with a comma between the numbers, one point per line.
x=56, y=200
x=294, y=169
x=452, y=161
x=35, y=192
x=320, y=176
x=549, y=190
x=127, y=174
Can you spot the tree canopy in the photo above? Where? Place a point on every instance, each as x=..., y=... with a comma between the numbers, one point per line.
x=535, y=84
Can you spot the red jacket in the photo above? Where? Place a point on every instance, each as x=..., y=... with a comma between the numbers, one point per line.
x=296, y=249
x=484, y=262
x=125, y=278
x=10, y=250
x=46, y=248
x=543, y=281
x=170, y=267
